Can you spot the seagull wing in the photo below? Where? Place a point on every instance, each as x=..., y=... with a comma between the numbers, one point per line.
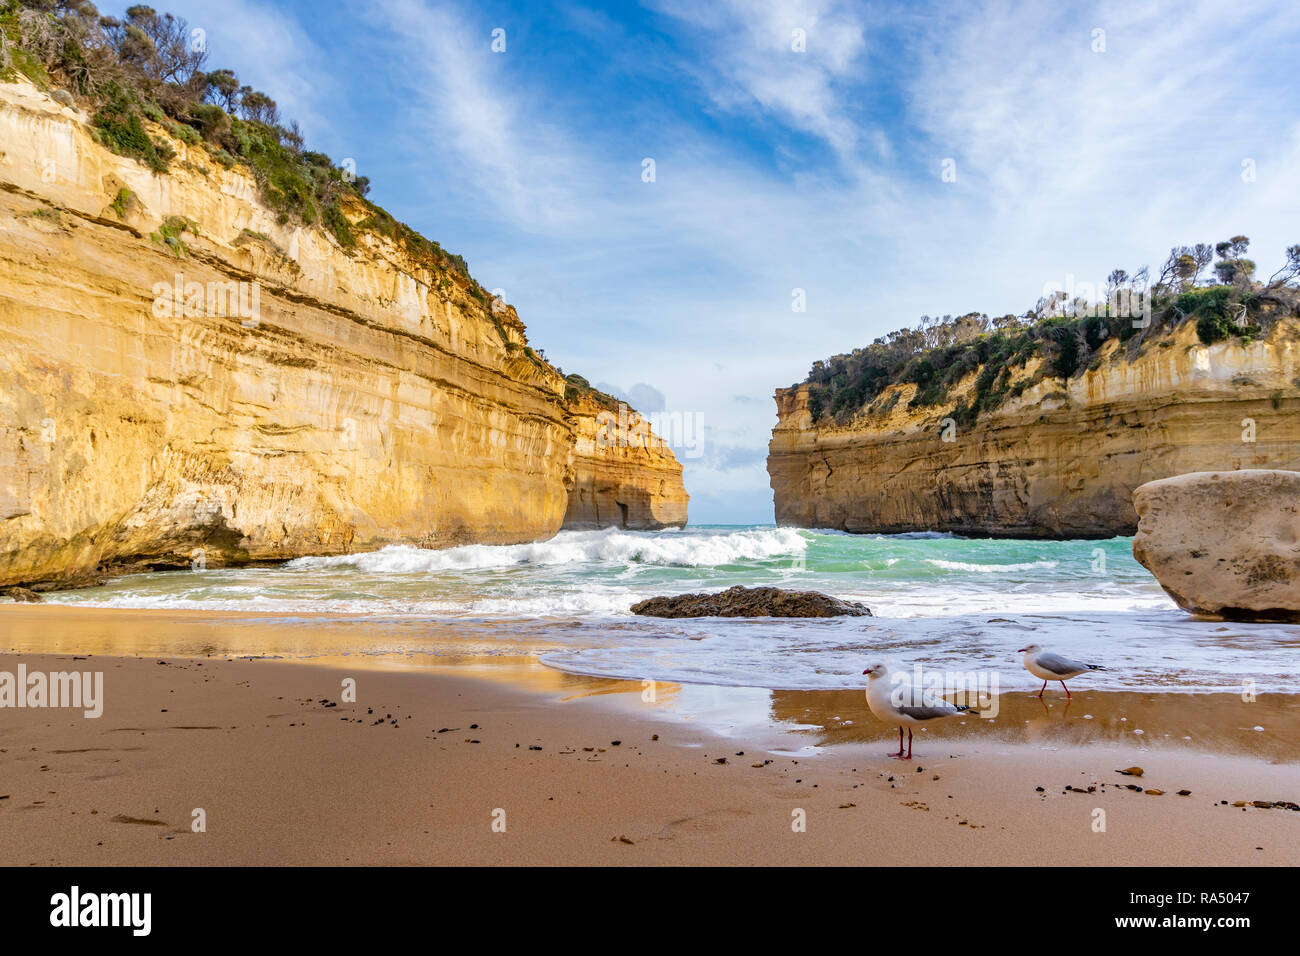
x=922, y=704
x=928, y=711
x=1060, y=665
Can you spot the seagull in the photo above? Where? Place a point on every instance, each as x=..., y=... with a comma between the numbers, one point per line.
x=1048, y=666
x=904, y=704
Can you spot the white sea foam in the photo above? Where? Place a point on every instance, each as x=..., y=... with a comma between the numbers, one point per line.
x=560, y=604
x=694, y=550
x=607, y=601
x=989, y=568
x=932, y=602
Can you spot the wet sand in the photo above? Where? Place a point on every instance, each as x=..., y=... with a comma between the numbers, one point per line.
x=404, y=777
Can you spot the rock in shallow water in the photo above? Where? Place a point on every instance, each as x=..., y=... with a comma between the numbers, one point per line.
x=751, y=602
x=1224, y=543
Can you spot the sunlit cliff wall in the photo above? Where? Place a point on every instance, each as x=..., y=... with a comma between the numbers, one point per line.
x=1059, y=461
x=372, y=399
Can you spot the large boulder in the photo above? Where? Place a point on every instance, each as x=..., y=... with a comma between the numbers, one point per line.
x=751, y=602
x=1224, y=543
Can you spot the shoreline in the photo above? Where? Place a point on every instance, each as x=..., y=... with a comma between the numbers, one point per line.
x=287, y=772
x=1200, y=721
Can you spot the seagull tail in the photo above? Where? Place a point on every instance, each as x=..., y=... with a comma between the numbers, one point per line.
x=1097, y=667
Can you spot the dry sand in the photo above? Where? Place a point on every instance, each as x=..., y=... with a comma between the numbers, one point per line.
x=404, y=777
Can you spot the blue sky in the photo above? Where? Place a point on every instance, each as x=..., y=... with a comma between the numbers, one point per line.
x=778, y=169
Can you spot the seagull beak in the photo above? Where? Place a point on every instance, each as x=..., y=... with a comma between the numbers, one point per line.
x=867, y=671
x=1021, y=651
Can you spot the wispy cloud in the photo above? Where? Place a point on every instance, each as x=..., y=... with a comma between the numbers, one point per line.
x=1127, y=100
x=784, y=58
x=459, y=94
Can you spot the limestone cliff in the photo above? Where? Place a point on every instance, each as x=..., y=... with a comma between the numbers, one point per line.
x=623, y=474
x=186, y=377
x=1059, y=460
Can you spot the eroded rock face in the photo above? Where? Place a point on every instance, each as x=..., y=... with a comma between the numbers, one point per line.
x=751, y=602
x=1224, y=543
x=372, y=400
x=1050, y=463
x=624, y=476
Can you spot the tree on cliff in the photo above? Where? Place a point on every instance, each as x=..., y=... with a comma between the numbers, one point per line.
x=148, y=67
x=223, y=89
x=160, y=48
x=1233, y=267
x=1290, y=270
x=1066, y=333
x=1183, y=267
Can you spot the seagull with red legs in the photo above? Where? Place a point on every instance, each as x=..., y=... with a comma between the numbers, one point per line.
x=1047, y=666
x=902, y=704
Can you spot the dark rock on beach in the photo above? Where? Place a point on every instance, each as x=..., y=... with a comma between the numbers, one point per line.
x=21, y=594
x=751, y=602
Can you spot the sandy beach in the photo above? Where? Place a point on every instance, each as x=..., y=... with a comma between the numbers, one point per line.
x=488, y=760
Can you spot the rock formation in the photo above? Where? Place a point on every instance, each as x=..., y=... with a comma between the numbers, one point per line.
x=186, y=378
x=1224, y=543
x=1059, y=460
x=624, y=475
x=751, y=602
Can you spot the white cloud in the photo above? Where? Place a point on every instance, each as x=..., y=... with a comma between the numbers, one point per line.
x=526, y=169
x=1020, y=97
x=753, y=61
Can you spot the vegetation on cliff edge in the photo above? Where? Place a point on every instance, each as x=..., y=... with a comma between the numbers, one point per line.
x=577, y=388
x=1067, y=333
x=146, y=69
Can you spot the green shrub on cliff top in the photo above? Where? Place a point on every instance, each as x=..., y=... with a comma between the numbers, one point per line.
x=1214, y=311
x=1066, y=336
x=14, y=60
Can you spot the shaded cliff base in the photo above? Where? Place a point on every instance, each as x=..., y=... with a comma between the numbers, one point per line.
x=597, y=502
x=623, y=474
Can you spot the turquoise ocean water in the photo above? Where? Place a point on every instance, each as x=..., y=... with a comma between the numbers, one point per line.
x=948, y=602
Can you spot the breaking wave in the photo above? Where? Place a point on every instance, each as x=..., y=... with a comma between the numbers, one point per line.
x=989, y=568
x=670, y=549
